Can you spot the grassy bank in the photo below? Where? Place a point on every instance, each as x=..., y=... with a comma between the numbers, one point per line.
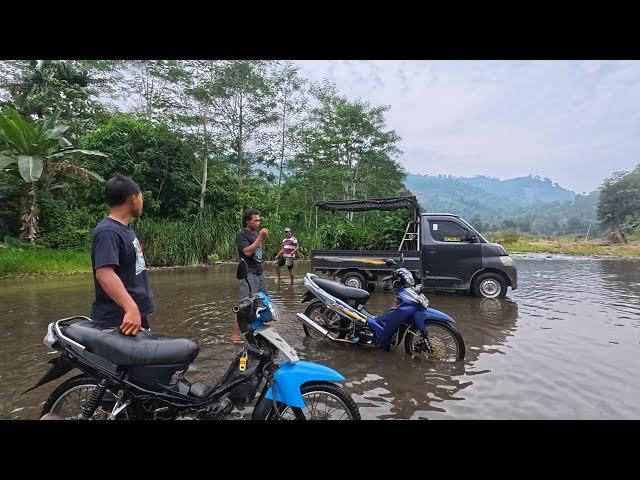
x=29, y=261
x=570, y=246
x=23, y=262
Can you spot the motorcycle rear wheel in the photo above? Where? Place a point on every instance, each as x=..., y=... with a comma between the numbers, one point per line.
x=319, y=313
x=67, y=401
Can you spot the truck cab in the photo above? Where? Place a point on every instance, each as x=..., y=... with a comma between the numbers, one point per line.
x=442, y=250
x=454, y=255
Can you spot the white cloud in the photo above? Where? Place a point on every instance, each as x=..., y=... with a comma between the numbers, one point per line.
x=572, y=121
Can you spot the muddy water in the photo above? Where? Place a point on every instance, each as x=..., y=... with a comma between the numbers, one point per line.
x=565, y=345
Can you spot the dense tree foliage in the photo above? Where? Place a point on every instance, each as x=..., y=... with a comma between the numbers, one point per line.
x=206, y=139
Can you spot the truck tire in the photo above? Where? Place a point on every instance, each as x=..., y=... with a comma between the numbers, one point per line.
x=489, y=285
x=354, y=280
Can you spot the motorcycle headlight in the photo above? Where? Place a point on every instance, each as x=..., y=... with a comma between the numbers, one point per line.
x=424, y=301
x=507, y=261
x=275, y=313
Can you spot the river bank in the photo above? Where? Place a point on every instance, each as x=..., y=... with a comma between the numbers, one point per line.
x=565, y=246
x=37, y=261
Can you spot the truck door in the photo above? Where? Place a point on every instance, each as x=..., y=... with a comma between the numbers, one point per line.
x=449, y=257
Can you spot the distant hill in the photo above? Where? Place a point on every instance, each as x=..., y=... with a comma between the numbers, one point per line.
x=530, y=204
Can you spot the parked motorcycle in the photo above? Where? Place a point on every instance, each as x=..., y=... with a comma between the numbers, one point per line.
x=142, y=377
x=337, y=312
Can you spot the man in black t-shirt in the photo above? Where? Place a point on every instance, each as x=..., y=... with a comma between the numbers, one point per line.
x=249, y=242
x=123, y=294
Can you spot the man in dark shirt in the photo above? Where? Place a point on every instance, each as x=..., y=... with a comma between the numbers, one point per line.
x=249, y=242
x=123, y=295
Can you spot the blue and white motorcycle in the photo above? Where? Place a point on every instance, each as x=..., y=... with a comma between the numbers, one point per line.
x=142, y=377
x=337, y=312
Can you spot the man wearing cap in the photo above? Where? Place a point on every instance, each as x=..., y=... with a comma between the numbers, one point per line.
x=287, y=253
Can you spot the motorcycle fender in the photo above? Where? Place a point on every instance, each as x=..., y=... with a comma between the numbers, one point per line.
x=421, y=316
x=59, y=367
x=308, y=297
x=291, y=376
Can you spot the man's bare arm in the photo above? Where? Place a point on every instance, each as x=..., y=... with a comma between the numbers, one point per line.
x=113, y=286
x=251, y=249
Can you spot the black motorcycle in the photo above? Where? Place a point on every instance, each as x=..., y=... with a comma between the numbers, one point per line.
x=142, y=377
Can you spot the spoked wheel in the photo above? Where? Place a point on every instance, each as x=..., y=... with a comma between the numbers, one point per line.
x=319, y=313
x=445, y=344
x=67, y=400
x=323, y=401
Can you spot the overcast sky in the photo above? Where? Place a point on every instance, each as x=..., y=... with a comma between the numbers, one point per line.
x=571, y=121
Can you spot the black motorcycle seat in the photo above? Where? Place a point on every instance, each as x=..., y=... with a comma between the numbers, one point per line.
x=342, y=292
x=145, y=348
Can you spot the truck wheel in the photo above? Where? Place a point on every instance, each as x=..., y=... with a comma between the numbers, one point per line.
x=354, y=280
x=489, y=285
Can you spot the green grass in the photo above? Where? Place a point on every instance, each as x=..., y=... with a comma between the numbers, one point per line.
x=571, y=246
x=16, y=262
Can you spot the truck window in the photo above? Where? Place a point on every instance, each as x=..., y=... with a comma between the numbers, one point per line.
x=446, y=231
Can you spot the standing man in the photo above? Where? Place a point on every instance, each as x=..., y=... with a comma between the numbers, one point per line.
x=287, y=254
x=249, y=242
x=123, y=294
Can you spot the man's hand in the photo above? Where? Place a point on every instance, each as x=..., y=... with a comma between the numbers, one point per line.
x=131, y=323
x=263, y=233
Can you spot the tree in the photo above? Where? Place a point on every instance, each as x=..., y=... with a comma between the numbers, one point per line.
x=347, y=150
x=156, y=157
x=37, y=88
x=246, y=106
x=619, y=203
x=291, y=102
x=37, y=152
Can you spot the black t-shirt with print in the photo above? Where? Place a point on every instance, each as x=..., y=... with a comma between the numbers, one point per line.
x=114, y=243
x=244, y=238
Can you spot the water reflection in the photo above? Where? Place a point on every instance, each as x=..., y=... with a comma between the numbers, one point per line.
x=565, y=345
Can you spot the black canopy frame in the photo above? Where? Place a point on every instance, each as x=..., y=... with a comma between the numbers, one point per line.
x=386, y=204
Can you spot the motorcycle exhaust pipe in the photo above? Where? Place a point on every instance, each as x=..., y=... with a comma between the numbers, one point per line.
x=321, y=330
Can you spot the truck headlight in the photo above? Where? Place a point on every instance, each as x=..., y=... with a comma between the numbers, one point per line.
x=507, y=261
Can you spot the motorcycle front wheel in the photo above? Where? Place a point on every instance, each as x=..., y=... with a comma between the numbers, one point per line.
x=323, y=401
x=445, y=342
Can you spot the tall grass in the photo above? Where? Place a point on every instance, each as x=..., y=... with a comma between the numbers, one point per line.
x=186, y=242
x=191, y=241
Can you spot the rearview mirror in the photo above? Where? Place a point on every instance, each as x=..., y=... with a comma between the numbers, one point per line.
x=390, y=262
x=471, y=238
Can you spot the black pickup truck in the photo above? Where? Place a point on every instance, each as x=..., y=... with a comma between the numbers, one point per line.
x=442, y=250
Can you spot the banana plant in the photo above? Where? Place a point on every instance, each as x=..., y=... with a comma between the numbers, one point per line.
x=37, y=152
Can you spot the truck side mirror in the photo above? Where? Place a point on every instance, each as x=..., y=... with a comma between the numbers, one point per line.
x=390, y=262
x=471, y=238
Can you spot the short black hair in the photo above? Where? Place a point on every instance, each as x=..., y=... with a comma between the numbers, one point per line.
x=246, y=216
x=118, y=188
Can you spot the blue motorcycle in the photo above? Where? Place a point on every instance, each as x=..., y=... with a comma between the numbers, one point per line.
x=142, y=377
x=337, y=312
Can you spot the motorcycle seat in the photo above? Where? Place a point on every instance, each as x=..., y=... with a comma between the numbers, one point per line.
x=145, y=348
x=342, y=292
